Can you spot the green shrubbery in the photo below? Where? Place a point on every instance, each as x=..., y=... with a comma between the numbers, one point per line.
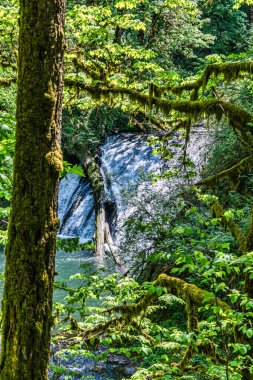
x=196, y=248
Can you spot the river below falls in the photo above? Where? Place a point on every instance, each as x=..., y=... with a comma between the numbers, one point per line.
x=68, y=264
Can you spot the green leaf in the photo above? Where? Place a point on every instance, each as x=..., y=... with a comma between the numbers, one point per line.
x=249, y=333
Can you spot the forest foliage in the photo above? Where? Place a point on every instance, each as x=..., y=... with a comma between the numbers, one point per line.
x=160, y=66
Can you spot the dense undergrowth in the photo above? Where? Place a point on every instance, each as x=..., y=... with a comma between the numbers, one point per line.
x=197, y=249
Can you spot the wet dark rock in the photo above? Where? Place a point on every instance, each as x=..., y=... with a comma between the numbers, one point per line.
x=116, y=367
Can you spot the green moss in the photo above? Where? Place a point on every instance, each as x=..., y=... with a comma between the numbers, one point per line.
x=218, y=212
x=87, y=68
x=38, y=328
x=189, y=292
x=237, y=116
x=230, y=71
x=30, y=252
x=7, y=81
x=249, y=235
x=55, y=160
x=93, y=173
x=233, y=174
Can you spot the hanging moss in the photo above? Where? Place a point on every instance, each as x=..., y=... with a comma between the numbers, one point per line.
x=207, y=348
x=249, y=235
x=237, y=116
x=55, y=159
x=95, y=72
x=188, y=291
x=230, y=71
x=151, y=94
x=5, y=82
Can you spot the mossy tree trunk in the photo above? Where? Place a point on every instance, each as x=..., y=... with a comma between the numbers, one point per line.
x=30, y=252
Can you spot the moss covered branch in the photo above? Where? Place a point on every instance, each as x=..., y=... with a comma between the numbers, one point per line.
x=208, y=349
x=245, y=241
x=235, y=230
x=5, y=82
x=188, y=292
x=230, y=71
x=93, y=71
x=131, y=314
x=249, y=235
x=237, y=116
x=233, y=174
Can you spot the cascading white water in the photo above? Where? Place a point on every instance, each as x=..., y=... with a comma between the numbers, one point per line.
x=126, y=163
x=128, y=166
x=76, y=208
x=124, y=159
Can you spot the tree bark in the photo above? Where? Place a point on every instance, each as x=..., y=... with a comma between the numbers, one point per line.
x=93, y=173
x=30, y=252
x=109, y=241
x=100, y=225
x=102, y=234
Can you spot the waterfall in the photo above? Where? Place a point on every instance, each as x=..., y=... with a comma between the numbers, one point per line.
x=76, y=208
x=127, y=162
x=124, y=159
